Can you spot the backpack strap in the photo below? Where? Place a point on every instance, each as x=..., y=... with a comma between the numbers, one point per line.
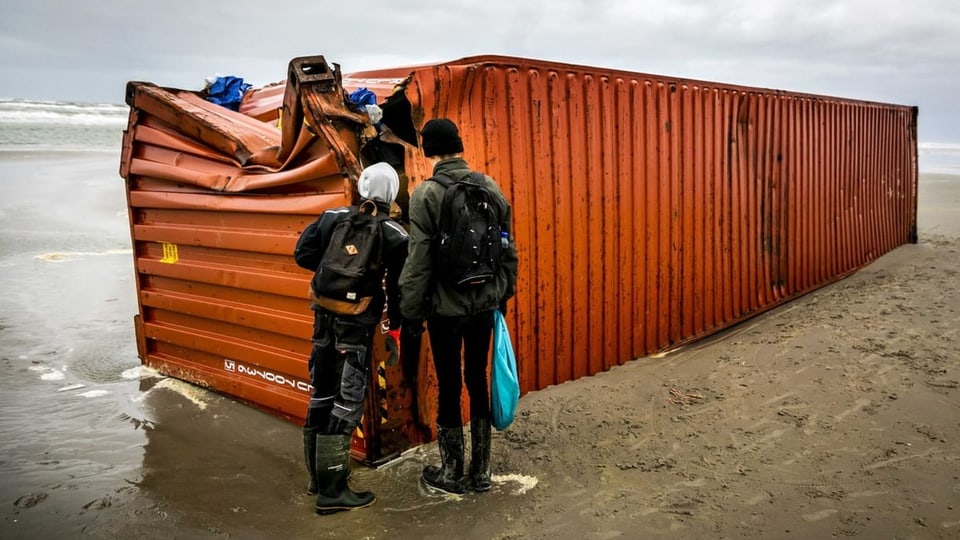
x=474, y=178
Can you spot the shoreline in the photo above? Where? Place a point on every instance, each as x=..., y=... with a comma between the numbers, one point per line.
x=12, y=154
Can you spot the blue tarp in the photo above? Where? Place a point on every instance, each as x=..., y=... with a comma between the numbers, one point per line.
x=362, y=97
x=227, y=91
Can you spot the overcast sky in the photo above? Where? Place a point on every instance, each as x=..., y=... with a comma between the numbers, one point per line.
x=903, y=52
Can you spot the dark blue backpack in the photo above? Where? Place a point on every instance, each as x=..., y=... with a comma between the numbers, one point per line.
x=468, y=245
x=351, y=269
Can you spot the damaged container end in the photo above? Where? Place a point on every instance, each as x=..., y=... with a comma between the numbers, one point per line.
x=217, y=200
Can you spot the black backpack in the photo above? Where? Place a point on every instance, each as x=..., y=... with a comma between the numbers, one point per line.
x=468, y=245
x=351, y=269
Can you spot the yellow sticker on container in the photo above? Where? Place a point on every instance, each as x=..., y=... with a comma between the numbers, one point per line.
x=382, y=387
x=170, y=254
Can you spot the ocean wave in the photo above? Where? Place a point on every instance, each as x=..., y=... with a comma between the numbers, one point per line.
x=31, y=125
x=937, y=147
x=27, y=112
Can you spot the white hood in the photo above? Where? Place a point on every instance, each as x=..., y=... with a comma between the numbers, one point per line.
x=379, y=182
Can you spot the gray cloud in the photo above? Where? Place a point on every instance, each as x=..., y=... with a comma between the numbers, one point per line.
x=880, y=50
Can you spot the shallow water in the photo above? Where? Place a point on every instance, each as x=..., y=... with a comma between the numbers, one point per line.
x=66, y=348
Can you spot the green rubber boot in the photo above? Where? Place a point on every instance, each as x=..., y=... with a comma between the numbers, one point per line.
x=333, y=471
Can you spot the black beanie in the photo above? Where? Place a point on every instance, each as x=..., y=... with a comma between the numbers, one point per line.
x=441, y=138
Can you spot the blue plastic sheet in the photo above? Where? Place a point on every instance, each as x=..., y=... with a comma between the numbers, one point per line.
x=362, y=97
x=227, y=91
x=365, y=101
x=504, y=384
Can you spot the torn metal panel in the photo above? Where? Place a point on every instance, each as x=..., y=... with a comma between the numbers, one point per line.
x=217, y=200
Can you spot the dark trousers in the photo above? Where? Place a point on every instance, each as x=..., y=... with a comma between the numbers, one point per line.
x=448, y=337
x=339, y=372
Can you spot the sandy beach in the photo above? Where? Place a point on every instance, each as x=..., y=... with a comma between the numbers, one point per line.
x=835, y=415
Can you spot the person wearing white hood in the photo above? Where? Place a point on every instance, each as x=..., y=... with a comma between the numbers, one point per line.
x=347, y=310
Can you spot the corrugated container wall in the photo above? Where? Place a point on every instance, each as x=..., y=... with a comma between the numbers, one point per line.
x=651, y=211
x=648, y=212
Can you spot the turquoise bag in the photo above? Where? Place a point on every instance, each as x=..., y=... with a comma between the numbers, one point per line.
x=504, y=384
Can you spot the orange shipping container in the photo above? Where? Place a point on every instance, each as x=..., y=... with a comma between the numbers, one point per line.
x=649, y=212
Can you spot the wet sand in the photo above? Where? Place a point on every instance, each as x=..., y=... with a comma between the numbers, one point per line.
x=834, y=415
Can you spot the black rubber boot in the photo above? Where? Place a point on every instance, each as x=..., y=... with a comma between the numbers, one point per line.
x=333, y=471
x=310, y=457
x=449, y=475
x=480, y=454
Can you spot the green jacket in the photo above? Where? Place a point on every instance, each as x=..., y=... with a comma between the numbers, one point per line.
x=422, y=296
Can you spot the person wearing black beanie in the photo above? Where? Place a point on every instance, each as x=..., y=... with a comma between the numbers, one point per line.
x=441, y=138
x=459, y=312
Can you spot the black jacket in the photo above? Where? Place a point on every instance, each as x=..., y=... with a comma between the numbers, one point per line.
x=313, y=242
